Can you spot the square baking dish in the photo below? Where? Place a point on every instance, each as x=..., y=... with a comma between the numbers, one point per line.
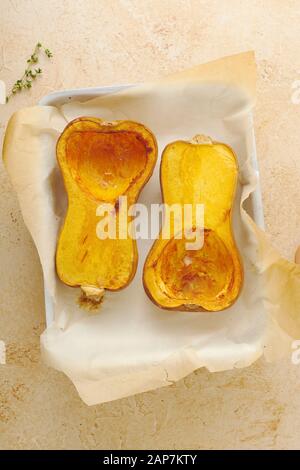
x=253, y=204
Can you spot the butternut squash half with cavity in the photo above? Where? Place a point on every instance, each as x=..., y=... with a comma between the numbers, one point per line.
x=100, y=161
x=208, y=278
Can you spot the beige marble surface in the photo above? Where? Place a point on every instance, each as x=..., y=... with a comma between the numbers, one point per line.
x=100, y=42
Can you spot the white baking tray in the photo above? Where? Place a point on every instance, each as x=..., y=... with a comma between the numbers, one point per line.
x=253, y=204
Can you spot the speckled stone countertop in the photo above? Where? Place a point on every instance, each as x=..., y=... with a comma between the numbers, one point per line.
x=101, y=42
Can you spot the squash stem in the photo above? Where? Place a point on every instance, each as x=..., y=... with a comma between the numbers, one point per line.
x=93, y=293
x=201, y=139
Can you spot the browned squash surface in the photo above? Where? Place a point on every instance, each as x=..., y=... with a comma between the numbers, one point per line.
x=209, y=278
x=100, y=161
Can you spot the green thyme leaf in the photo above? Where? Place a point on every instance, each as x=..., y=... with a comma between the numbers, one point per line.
x=25, y=82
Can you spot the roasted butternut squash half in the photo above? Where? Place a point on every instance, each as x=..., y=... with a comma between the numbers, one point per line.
x=209, y=278
x=100, y=161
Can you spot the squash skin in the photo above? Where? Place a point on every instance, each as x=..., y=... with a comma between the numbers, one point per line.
x=119, y=158
x=205, y=172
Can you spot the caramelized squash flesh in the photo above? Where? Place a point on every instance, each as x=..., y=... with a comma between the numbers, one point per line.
x=100, y=161
x=207, y=278
x=105, y=164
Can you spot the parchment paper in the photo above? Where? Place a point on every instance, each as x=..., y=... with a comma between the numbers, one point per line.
x=2, y=92
x=130, y=345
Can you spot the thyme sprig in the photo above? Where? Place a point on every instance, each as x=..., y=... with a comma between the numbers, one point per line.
x=31, y=71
